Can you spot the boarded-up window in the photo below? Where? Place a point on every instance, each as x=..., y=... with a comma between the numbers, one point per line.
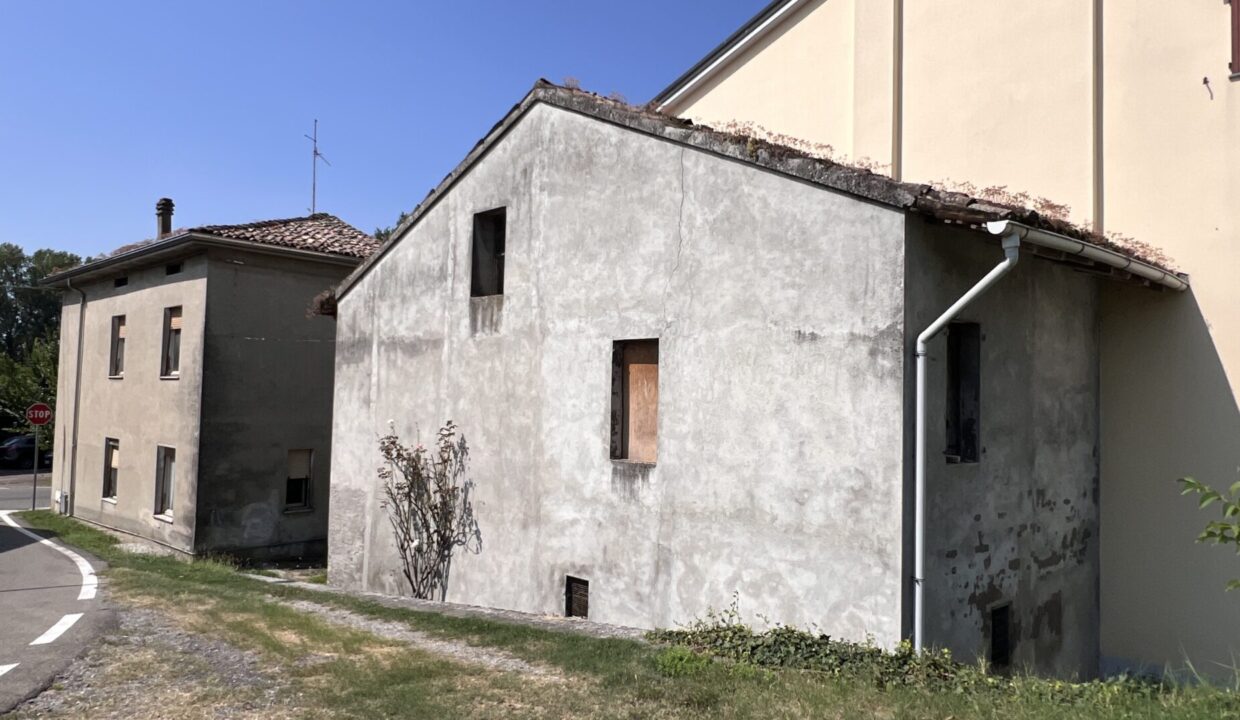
x=165, y=474
x=964, y=390
x=116, y=360
x=576, y=597
x=1234, y=66
x=171, y=364
x=487, y=258
x=635, y=400
x=297, y=487
x=111, y=466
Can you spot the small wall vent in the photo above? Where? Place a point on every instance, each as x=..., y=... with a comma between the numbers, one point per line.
x=576, y=597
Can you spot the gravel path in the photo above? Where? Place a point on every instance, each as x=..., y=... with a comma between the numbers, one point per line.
x=489, y=658
x=577, y=626
x=151, y=669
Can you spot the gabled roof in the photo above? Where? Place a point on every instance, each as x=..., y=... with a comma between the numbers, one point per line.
x=950, y=207
x=318, y=237
x=319, y=232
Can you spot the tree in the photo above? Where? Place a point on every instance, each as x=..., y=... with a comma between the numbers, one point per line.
x=428, y=503
x=1225, y=531
x=29, y=332
x=28, y=312
x=385, y=234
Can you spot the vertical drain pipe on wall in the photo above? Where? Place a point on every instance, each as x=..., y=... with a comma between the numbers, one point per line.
x=77, y=399
x=1011, y=252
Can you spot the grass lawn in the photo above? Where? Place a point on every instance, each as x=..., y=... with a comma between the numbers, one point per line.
x=332, y=671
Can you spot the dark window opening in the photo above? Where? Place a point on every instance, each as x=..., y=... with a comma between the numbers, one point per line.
x=964, y=390
x=111, y=466
x=170, y=365
x=165, y=475
x=576, y=597
x=487, y=258
x=297, y=486
x=1001, y=637
x=120, y=282
x=635, y=400
x=116, y=361
x=172, y=268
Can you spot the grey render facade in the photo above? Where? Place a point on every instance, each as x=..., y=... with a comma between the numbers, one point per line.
x=202, y=457
x=785, y=295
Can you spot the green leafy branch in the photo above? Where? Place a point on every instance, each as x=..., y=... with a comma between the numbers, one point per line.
x=1218, y=532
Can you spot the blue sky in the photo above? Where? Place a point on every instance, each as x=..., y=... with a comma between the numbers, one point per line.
x=107, y=106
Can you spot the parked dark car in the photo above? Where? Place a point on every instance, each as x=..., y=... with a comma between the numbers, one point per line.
x=17, y=452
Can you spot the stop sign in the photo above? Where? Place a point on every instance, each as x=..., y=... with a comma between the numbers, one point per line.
x=39, y=414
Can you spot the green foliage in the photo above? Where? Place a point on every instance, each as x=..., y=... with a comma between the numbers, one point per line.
x=29, y=334
x=680, y=661
x=385, y=234
x=1225, y=531
x=723, y=635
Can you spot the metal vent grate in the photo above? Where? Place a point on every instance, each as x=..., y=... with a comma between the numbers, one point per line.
x=576, y=597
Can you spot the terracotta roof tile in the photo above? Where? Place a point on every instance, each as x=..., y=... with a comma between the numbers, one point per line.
x=319, y=232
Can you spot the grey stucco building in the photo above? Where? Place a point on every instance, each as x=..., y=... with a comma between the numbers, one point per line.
x=194, y=393
x=684, y=361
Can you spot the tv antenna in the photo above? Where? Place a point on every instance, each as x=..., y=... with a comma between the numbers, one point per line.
x=314, y=167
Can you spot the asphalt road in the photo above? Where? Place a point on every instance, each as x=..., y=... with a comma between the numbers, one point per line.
x=50, y=610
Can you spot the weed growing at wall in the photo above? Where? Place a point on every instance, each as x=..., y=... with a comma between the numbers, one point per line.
x=722, y=636
x=427, y=500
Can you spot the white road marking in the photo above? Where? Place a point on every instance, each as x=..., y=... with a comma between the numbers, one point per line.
x=90, y=583
x=6, y=668
x=58, y=629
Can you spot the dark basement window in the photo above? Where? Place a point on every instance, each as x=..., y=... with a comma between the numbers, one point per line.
x=120, y=282
x=576, y=597
x=964, y=390
x=172, y=268
x=487, y=258
x=1001, y=637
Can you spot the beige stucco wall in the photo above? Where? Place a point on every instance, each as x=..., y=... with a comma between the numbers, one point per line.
x=1004, y=94
x=140, y=409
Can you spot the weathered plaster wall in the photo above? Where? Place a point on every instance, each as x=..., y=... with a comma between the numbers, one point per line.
x=778, y=307
x=267, y=390
x=1021, y=525
x=141, y=410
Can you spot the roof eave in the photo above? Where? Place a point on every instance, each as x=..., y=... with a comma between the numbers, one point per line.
x=754, y=28
x=177, y=245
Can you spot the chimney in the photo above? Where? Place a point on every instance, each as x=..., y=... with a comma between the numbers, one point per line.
x=163, y=218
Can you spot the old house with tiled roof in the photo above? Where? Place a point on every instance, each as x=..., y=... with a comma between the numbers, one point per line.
x=194, y=396
x=693, y=365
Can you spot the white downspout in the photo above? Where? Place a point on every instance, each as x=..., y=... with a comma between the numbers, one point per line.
x=1011, y=252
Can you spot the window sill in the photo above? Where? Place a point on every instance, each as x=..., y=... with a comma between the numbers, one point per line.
x=117, y=377
x=299, y=510
x=164, y=517
x=635, y=463
x=170, y=377
x=110, y=500
x=1234, y=77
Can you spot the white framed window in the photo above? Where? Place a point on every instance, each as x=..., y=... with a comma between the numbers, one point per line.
x=165, y=479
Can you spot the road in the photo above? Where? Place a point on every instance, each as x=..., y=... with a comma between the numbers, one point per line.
x=15, y=489
x=50, y=608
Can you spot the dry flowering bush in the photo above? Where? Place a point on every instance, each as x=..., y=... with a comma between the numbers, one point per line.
x=427, y=499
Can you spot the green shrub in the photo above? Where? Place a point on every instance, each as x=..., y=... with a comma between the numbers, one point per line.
x=680, y=661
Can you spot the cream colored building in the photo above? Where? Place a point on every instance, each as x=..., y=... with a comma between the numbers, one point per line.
x=1127, y=112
